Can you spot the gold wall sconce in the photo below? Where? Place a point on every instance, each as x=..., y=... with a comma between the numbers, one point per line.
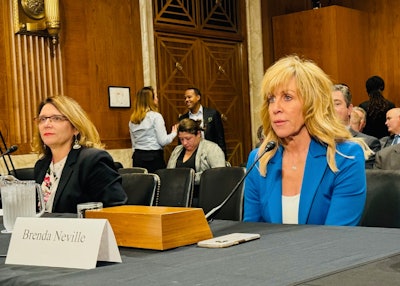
x=39, y=18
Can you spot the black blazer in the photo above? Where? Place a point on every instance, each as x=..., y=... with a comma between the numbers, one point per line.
x=388, y=158
x=214, y=130
x=89, y=175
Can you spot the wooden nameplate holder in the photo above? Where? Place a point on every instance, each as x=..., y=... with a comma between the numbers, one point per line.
x=158, y=228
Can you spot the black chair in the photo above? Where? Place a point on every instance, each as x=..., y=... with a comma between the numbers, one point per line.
x=23, y=174
x=215, y=185
x=118, y=165
x=141, y=189
x=132, y=170
x=382, y=208
x=176, y=187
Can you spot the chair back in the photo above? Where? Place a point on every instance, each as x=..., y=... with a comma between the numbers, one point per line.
x=215, y=185
x=23, y=174
x=132, y=170
x=176, y=187
x=118, y=165
x=382, y=207
x=140, y=188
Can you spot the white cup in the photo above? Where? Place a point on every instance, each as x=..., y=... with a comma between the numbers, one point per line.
x=81, y=208
x=19, y=200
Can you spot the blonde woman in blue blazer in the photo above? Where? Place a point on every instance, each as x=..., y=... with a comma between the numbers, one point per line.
x=316, y=174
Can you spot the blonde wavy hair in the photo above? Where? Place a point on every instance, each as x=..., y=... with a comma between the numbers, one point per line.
x=88, y=135
x=314, y=88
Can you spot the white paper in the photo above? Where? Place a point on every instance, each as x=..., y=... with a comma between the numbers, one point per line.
x=62, y=242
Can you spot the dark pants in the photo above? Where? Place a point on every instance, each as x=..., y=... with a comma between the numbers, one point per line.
x=152, y=160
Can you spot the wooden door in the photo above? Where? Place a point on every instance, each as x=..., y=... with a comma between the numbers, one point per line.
x=210, y=55
x=215, y=67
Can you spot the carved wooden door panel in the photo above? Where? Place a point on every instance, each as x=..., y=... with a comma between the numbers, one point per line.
x=215, y=67
x=176, y=70
x=223, y=86
x=200, y=43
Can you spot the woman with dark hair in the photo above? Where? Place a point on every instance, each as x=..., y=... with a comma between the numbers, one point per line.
x=195, y=152
x=148, y=132
x=376, y=108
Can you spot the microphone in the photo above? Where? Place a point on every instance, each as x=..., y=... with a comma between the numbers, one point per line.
x=10, y=150
x=212, y=213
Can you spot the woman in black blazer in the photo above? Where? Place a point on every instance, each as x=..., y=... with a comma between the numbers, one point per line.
x=73, y=169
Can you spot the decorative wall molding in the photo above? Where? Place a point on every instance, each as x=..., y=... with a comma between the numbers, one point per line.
x=146, y=25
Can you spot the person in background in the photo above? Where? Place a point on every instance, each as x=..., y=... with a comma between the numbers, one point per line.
x=210, y=118
x=376, y=108
x=343, y=107
x=195, y=152
x=388, y=158
x=148, y=132
x=393, y=127
x=260, y=136
x=358, y=119
x=73, y=168
x=316, y=174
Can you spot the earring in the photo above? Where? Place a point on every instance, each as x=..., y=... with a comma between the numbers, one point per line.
x=76, y=143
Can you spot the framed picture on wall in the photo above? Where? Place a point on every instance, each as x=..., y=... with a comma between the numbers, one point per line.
x=119, y=96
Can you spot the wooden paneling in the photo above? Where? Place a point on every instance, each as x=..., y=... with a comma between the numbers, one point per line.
x=384, y=44
x=100, y=46
x=101, y=41
x=208, y=18
x=383, y=53
x=36, y=75
x=6, y=67
x=31, y=74
x=323, y=35
x=216, y=66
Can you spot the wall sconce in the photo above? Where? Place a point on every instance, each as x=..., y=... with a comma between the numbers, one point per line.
x=39, y=18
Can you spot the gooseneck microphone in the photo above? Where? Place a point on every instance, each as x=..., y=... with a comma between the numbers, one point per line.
x=10, y=150
x=212, y=213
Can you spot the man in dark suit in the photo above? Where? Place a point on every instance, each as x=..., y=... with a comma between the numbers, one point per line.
x=393, y=125
x=211, y=119
x=343, y=107
x=388, y=158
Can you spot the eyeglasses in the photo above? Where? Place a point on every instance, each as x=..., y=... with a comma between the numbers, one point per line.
x=53, y=118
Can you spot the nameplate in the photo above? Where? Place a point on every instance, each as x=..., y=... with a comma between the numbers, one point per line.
x=62, y=242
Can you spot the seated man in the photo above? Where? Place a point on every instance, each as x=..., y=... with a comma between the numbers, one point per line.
x=393, y=125
x=358, y=119
x=388, y=158
x=342, y=102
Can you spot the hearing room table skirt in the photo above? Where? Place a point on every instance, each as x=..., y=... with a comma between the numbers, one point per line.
x=284, y=255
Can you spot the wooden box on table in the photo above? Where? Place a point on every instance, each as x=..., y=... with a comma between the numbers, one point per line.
x=158, y=228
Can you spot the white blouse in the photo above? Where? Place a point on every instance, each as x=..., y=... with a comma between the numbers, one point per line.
x=290, y=209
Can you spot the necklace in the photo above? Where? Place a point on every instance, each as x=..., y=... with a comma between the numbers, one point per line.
x=56, y=168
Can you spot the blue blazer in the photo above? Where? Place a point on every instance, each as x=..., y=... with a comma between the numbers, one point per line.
x=326, y=198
